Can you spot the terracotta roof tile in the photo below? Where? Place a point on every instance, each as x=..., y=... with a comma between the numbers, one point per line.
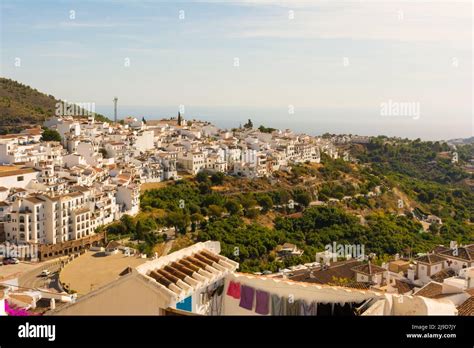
x=342, y=269
x=443, y=274
x=369, y=269
x=430, y=259
x=467, y=307
x=460, y=253
x=431, y=290
x=403, y=287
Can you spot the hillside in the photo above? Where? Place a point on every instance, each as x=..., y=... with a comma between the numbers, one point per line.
x=461, y=141
x=348, y=202
x=22, y=106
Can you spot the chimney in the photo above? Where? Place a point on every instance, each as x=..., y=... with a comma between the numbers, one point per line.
x=52, y=304
x=470, y=278
x=115, y=109
x=411, y=274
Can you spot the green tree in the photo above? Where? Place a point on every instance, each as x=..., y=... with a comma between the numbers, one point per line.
x=249, y=124
x=179, y=220
x=202, y=177
x=139, y=232
x=252, y=213
x=215, y=211
x=197, y=218
x=217, y=178
x=50, y=135
x=303, y=198
x=248, y=202
x=265, y=202
x=204, y=188
x=233, y=207
x=127, y=222
x=264, y=129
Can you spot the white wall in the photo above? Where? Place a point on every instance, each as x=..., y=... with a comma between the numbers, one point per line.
x=12, y=181
x=304, y=291
x=145, y=141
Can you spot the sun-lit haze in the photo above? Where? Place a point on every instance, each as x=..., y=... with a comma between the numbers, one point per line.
x=313, y=66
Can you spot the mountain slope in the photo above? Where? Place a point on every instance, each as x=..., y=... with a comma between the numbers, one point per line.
x=22, y=106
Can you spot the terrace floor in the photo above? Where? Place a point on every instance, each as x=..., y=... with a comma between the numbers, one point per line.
x=93, y=270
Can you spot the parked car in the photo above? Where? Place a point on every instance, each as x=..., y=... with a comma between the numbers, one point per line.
x=45, y=273
x=10, y=261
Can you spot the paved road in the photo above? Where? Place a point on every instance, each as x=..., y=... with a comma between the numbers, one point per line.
x=14, y=271
x=32, y=279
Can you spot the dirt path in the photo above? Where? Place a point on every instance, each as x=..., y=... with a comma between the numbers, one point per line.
x=168, y=246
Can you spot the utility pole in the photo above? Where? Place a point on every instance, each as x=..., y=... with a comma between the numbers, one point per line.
x=115, y=109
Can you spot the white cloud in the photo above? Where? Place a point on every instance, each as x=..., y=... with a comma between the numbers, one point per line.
x=421, y=22
x=63, y=55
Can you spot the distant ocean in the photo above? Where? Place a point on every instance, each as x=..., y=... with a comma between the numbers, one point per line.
x=315, y=121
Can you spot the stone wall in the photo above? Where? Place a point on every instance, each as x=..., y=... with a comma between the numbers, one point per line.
x=51, y=251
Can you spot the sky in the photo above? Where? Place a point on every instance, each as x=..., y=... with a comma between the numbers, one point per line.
x=313, y=66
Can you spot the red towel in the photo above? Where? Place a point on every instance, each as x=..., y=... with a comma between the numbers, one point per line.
x=234, y=290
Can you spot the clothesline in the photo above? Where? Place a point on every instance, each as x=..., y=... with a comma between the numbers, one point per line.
x=287, y=305
x=312, y=290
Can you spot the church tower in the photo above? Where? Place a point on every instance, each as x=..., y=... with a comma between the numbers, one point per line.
x=181, y=121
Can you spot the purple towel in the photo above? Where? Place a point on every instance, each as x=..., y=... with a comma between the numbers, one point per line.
x=246, y=297
x=263, y=299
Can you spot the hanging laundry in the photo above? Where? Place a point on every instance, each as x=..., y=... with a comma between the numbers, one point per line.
x=247, y=294
x=216, y=301
x=234, y=290
x=203, y=298
x=220, y=290
x=210, y=291
x=278, y=305
x=308, y=309
x=262, y=303
x=342, y=309
x=293, y=307
x=324, y=309
x=349, y=309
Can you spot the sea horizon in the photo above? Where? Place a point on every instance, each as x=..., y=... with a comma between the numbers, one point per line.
x=311, y=121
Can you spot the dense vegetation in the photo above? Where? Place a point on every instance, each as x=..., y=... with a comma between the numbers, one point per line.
x=140, y=229
x=428, y=160
x=424, y=170
x=50, y=135
x=22, y=106
x=195, y=209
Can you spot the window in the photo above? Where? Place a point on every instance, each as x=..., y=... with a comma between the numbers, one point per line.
x=20, y=178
